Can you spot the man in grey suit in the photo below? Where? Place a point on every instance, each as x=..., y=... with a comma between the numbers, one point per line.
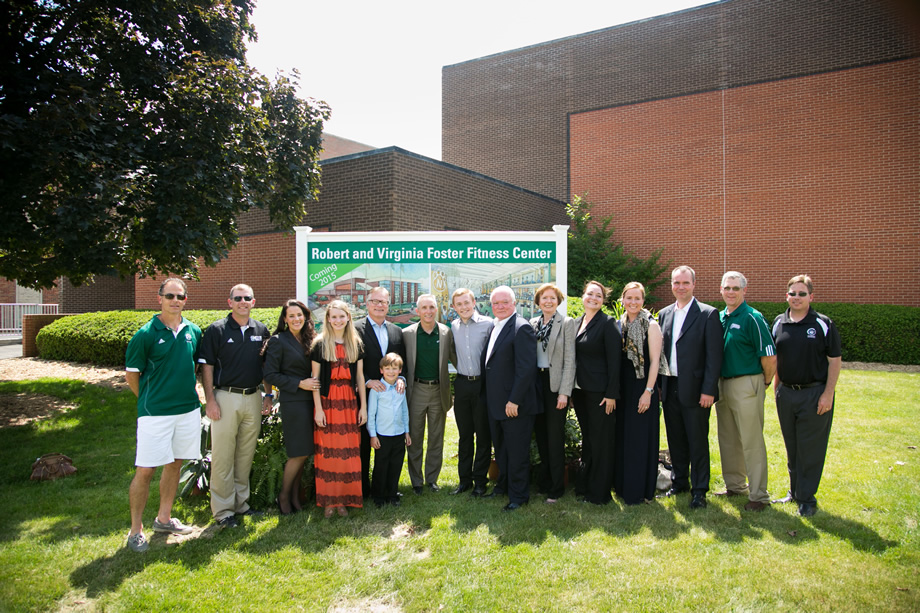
x=692, y=345
x=427, y=355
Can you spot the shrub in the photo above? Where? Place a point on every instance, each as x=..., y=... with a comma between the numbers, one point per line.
x=102, y=338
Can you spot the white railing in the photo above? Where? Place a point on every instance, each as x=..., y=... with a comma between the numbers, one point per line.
x=11, y=315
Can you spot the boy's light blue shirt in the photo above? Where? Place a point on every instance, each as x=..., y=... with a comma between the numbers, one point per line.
x=387, y=412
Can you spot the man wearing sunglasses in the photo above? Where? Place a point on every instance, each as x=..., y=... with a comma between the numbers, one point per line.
x=748, y=365
x=160, y=370
x=231, y=371
x=808, y=360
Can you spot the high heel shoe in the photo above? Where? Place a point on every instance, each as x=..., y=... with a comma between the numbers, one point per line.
x=280, y=510
x=343, y=512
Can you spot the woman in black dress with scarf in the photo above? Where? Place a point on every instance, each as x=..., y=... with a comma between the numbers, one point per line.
x=637, y=428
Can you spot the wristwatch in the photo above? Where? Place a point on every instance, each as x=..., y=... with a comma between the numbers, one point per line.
x=650, y=389
x=269, y=395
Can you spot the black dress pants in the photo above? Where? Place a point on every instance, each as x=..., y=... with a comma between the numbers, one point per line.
x=474, y=449
x=688, y=441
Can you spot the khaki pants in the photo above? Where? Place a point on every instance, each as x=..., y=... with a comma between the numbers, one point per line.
x=425, y=405
x=233, y=444
x=739, y=413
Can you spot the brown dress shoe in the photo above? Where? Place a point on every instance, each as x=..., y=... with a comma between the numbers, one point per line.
x=730, y=493
x=756, y=506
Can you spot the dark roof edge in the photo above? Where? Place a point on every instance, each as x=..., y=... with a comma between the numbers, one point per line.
x=556, y=40
x=423, y=158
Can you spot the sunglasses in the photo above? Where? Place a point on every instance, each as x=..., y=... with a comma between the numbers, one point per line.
x=239, y=298
x=799, y=294
x=734, y=288
x=175, y=296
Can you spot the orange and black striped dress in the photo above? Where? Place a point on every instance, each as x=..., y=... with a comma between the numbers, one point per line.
x=338, y=445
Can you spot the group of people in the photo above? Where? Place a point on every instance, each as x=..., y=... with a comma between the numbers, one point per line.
x=368, y=384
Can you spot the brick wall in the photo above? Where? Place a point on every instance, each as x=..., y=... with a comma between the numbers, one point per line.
x=505, y=115
x=816, y=174
x=103, y=294
x=7, y=291
x=382, y=190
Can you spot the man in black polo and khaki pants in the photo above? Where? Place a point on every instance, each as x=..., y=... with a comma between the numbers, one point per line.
x=808, y=361
x=231, y=373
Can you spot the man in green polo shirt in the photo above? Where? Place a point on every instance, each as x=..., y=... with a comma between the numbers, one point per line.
x=160, y=370
x=748, y=366
x=427, y=354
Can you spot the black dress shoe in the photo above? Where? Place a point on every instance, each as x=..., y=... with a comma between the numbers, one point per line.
x=478, y=491
x=395, y=501
x=698, y=501
x=434, y=487
x=512, y=506
x=417, y=489
x=495, y=492
x=461, y=488
x=807, y=509
x=250, y=512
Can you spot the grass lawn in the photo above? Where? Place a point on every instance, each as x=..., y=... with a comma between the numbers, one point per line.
x=62, y=542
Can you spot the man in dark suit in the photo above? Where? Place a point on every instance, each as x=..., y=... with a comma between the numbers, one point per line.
x=379, y=338
x=692, y=344
x=509, y=365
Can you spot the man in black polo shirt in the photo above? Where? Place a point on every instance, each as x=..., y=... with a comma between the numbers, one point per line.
x=231, y=372
x=808, y=360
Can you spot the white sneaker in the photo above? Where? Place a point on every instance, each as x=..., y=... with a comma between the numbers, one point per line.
x=137, y=542
x=173, y=526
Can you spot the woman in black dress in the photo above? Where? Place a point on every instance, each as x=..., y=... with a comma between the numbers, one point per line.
x=287, y=367
x=598, y=346
x=636, y=466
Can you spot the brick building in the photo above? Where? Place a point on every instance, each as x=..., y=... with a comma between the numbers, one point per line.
x=768, y=136
x=383, y=190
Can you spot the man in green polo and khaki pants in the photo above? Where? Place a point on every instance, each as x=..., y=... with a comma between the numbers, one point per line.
x=160, y=370
x=748, y=366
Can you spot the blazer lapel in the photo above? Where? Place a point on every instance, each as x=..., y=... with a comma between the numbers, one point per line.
x=502, y=337
x=554, y=333
x=692, y=313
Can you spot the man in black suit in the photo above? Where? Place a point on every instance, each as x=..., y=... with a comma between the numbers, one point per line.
x=509, y=365
x=692, y=344
x=379, y=338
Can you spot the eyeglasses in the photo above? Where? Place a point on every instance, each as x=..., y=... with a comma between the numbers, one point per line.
x=799, y=294
x=733, y=288
x=239, y=298
x=377, y=302
x=175, y=296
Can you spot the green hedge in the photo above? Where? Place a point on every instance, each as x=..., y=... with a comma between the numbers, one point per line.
x=868, y=332
x=102, y=338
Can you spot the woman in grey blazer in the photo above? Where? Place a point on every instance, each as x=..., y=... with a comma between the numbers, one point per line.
x=555, y=378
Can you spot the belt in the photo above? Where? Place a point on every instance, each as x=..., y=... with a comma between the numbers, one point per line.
x=427, y=381
x=468, y=377
x=237, y=390
x=739, y=376
x=801, y=386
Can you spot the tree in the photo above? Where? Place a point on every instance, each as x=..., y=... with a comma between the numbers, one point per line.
x=133, y=133
x=593, y=254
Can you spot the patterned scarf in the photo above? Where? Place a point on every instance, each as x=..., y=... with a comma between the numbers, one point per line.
x=634, y=334
x=543, y=332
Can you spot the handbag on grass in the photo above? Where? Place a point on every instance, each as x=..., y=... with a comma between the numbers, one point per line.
x=52, y=466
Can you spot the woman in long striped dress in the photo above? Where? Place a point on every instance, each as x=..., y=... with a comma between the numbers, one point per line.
x=340, y=411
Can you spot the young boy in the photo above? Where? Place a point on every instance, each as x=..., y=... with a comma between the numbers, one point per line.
x=388, y=426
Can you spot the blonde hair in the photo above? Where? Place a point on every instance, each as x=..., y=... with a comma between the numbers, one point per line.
x=391, y=359
x=351, y=341
x=633, y=285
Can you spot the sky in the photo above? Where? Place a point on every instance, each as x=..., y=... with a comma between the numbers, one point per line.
x=378, y=64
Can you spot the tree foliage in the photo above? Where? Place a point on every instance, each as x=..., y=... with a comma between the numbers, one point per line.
x=133, y=133
x=594, y=254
